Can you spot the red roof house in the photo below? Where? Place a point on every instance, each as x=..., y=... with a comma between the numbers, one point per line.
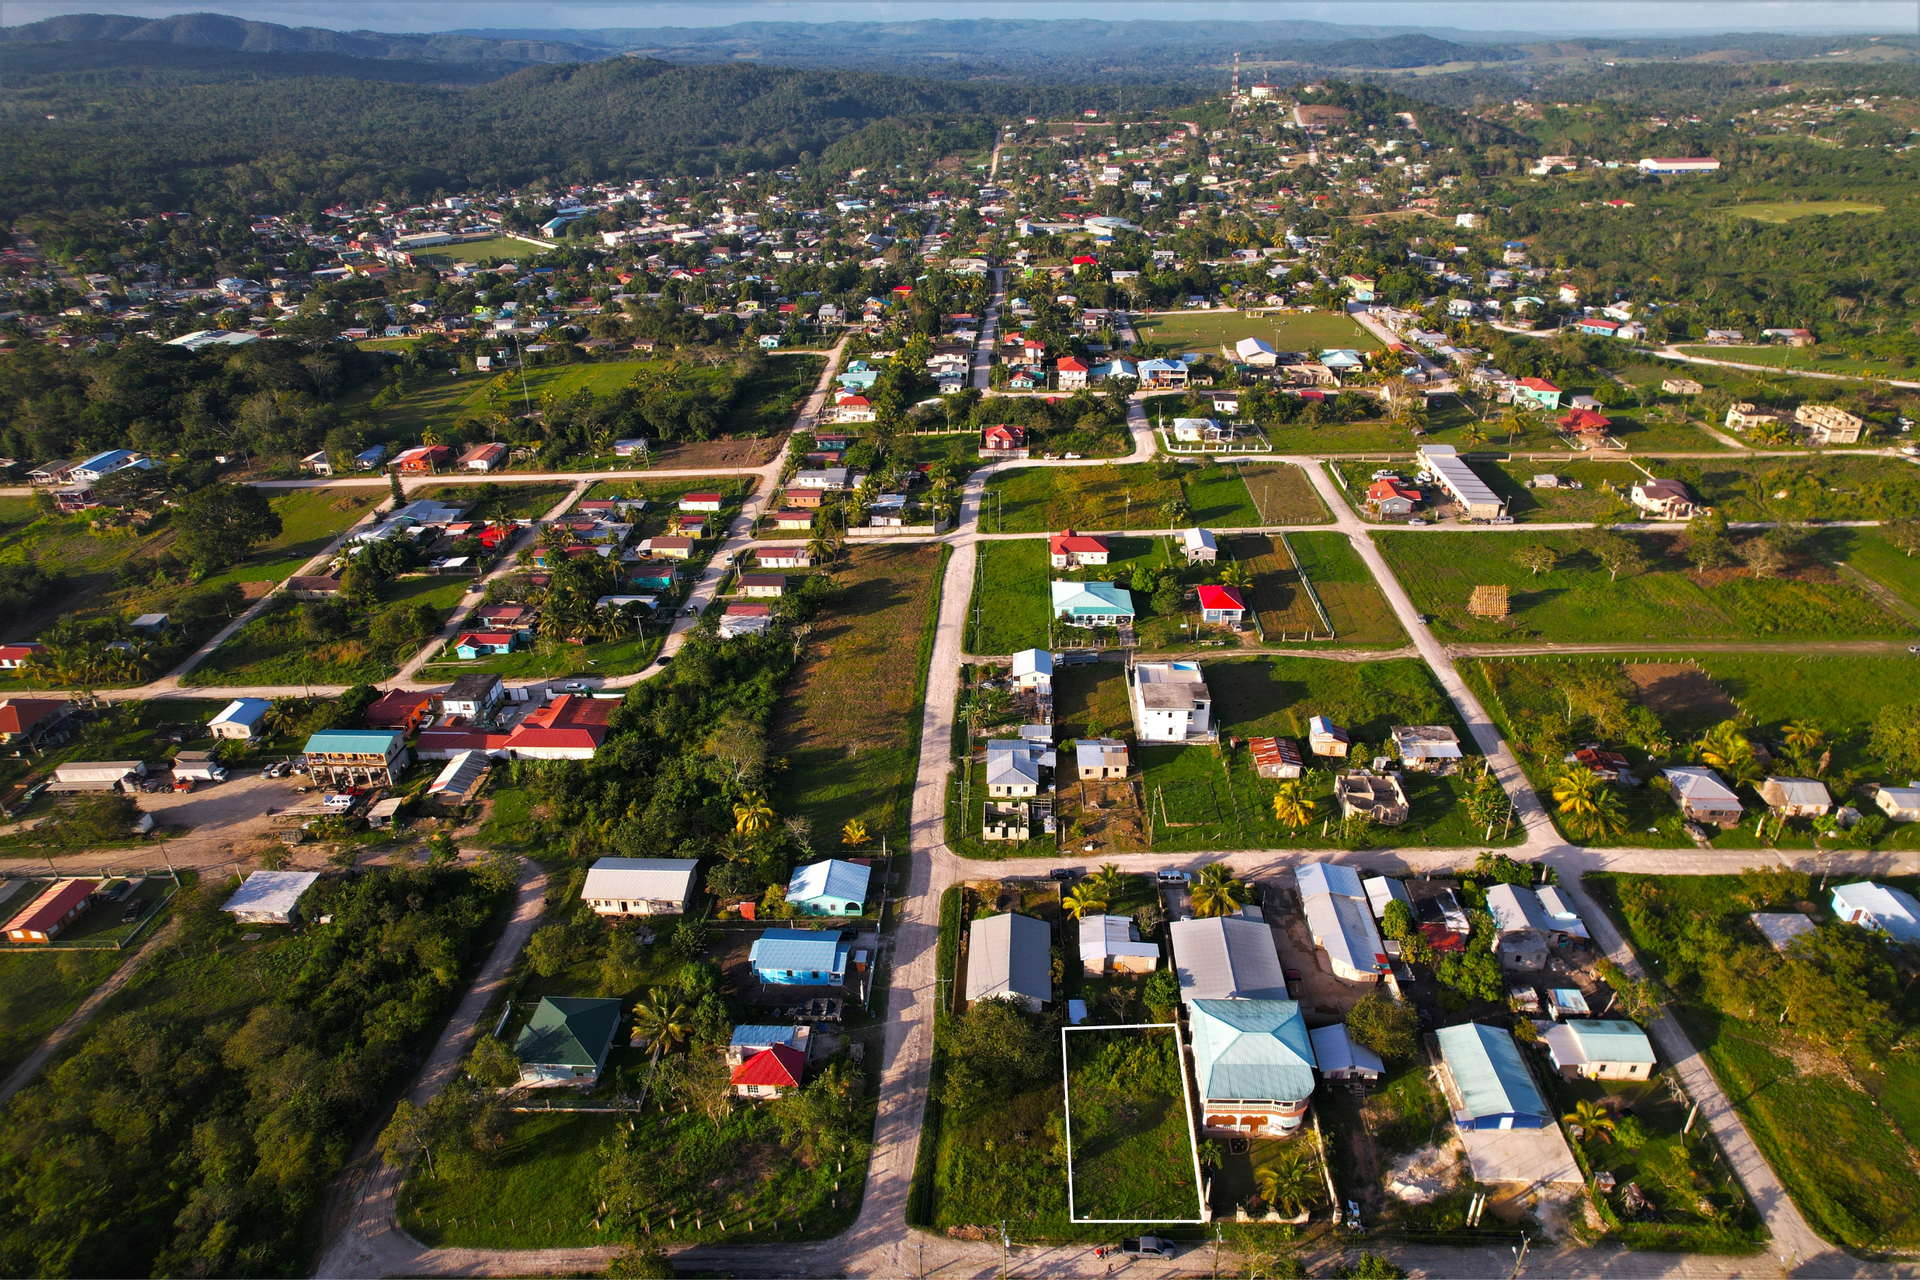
x=1003, y=440
x=770, y=1072
x=1222, y=604
x=1070, y=550
x=51, y=912
x=568, y=728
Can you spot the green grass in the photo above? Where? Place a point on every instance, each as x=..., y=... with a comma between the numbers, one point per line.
x=1048, y=499
x=484, y=252
x=1206, y=331
x=1788, y=210
x=506, y=501
x=309, y=520
x=557, y=660
x=40, y=991
x=1817, y=358
x=1218, y=498
x=270, y=649
x=1830, y=487
x=1577, y=602
x=1603, y=495
x=1011, y=598
x=1127, y=1127
x=1282, y=494
x=1870, y=552
x=1354, y=603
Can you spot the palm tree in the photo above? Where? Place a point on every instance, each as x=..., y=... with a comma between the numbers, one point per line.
x=1290, y=1183
x=660, y=1022
x=1085, y=901
x=1725, y=747
x=752, y=814
x=1217, y=893
x=1578, y=791
x=1108, y=878
x=1475, y=434
x=854, y=833
x=1592, y=1120
x=1234, y=575
x=1292, y=805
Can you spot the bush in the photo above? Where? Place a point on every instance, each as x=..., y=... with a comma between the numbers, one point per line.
x=1387, y=1026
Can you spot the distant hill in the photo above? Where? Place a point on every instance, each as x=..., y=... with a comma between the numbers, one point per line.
x=219, y=31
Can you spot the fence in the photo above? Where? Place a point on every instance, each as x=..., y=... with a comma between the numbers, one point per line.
x=1306, y=585
x=125, y=940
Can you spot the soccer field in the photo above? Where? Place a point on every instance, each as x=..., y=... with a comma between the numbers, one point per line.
x=1206, y=331
x=492, y=249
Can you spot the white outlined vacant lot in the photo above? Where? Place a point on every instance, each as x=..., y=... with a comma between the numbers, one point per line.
x=1131, y=1151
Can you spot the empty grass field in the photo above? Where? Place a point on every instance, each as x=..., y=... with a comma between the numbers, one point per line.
x=849, y=724
x=1011, y=598
x=1044, y=499
x=1131, y=1147
x=1207, y=331
x=270, y=650
x=494, y=501
x=1282, y=494
x=1788, y=210
x=1274, y=591
x=1355, y=605
x=1821, y=359
x=40, y=991
x=485, y=252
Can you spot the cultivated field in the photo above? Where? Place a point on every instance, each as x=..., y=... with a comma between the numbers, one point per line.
x=1282, y=494
x=1275, y=592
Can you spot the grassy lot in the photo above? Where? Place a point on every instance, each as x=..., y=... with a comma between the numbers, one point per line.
x=1275, y=592
x=1044, y=499
x=1218, y=497
x=1830, y=487
x=1207, y=331
x=1127, y=1127
x=558, y=659
x=1011, y=597
x=485, y=252
x=99, y=928
x=309, y=520
x=1844, y=1157
x=1788, y=210
x=1282, y=494
x=1818, y=358
x=270, y=649
x=1868, y=551
x=664, y=495
x=849, y=724
x=1359, y=612
x=499, y=501
x=39, y=991
x=1667, y=600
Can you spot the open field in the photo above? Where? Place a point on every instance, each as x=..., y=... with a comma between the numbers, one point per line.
x=485, y=252
x=1207, y=331
x=309, y=520
x=848, y=724
x=558, y=660
x=1274, y=592
x=1355, y=606
x=1869, y=552
x=1127, y=1129
x=1667, y=600
x=1788, y=210
x=1826, y=487
x=1218, y=497
x=270, y=649
x=1282, y=494
x=1044, y=499
x=498, y=501
x=1010, y=597
x=1841, y=1134
x=39, y=991
x=1819, y=359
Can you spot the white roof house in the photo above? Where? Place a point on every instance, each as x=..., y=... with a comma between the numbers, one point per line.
x=1033, y=669
x=1226, y=958
x=271, y=897
x=1516, y=907
x=1339, y=1058
x=1891, y=911
x=1560, y=911
x=1340, y=918
x=1010, y=957
x=1900, y=804
x=1199, y=545
x=1384, y=889
x=641, y=886
x=1782, y=927
x=1113, y=942
x=239, y=719
x=1171, y=702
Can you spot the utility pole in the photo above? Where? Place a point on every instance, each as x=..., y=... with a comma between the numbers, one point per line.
x=1003, y=1249
x=1520, y=1257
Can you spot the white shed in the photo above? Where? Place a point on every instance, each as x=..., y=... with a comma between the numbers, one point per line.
x=271, y=897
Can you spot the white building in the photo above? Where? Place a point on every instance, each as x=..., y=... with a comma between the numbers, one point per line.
x=1891, y=911
x=639, y=886
x=1112, y=944
x=1171, y=702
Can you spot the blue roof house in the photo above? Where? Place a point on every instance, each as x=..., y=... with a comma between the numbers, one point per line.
x=831, y=888
x=1492, y=1088
x=1092, y=604
x=800, y=958
x=240, y=719
x=1254, y=1064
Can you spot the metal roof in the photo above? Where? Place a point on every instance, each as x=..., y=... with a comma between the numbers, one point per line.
x=1009, y=955
x=245, y=711
x=354, y=742
x=1883, y=907
x=1334, y=1050
x=1226, y=957
x=1456, y=476
x=1251, y=1049
x=1344, y=927
x=1329, y=877
x=1102, y=936
x=805, y=950
x=1603, y=1040
x=1702, y=786
x=653, y=879
x=270, y=895
x=833, y=880
x=568, y=1031
x=1488, y=1070
x=1516, y=907
x=1381, y=890
x=1099, y=598
x=1037, y=662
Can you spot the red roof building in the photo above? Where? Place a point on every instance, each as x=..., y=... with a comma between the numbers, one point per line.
x=568, y=728
x=1004, y=440
x=13, y=656
x=33, y=720
x=398, y=709
x=1070, y=550
x=1222, y=604
x=1276, y=757
x=770, y=1072
x=51, y=912
x=1585, y=420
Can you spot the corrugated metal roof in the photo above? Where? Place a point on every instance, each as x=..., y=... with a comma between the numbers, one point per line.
x=1009, y=955
x=655, y=879
x=1329, y=877
x=804, y=950
x=354, y=742
x=1344, y=927
x=1103, y=936
x=1381, y=890
x=1334, y=1050
x=1516, y=907
x=1226, y=957
x=1251, y=1049
x=1486, y=1067
x=833, y=880
x=568, y=1031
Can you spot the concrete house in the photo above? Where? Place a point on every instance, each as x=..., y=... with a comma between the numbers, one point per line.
x=1253, y=1062
x=1325, y=738
x=1829, y=424
x=1097, y=759
x=356, y=757
x=1092, y=604
x=1070, y=550
x=1222, y=606
x=566, y=1042
x=1703, y=797
x=831, y=888
x=1378, y=797
x=1014, y=767
x=1525, y=929
x=1880, y=907
x=1226, y=958
x=1171, y=702
x=1428, y=748
x=1603, y=1049
x=1112, y=944
x=618, y=887
x=239, y=720
x=1033, y=669
x=1536, y=393
x=770, y=1073
x=1488, y=1086
x=1010, y=957
x=1663, y=500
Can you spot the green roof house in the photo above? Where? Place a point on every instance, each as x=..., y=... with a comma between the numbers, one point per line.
x=567, y=1041
x=1092, y=604
x=1491, y=1086
x=1254, y=1063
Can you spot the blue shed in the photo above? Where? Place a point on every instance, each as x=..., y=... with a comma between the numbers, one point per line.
x=831, y=888
x=800, y=958
x=1493, y=1086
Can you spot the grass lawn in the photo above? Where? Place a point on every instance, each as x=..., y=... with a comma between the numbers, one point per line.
x=1667, y=600
x=664, y=495
x=1282, y=494
x=1818, y=358
x=309, y=520
x=1219, y=498
x=1207, y=331
x=498, y=501
x=601, y=658
x=1868, y=551
x=1846, y=1161
x=490, y=250
x=270, y=649
x=1828, y=487
x=1355, y=606
x=1788, y=210
x=1011, y=597
x=1048, y=499
x=849, y=723
x=1127, y=1127
x=39, y=991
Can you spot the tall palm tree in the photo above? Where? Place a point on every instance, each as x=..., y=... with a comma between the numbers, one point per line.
x=1234, y=575
x=660, y=1022
x=1725, y=747
x=1578, y=791
x=1593, y=1121
x=1290, y=1183
x=1216, y=892
x=1085, y=901
x=1108, y=877
x=752, y=814
x=1292, y=805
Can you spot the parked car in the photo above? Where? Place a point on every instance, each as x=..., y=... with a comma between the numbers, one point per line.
x=1418, y=522
x=1353, y=1216
x=135, y=909
x=1146, y=1247
x=1171, y=877
x=1062, y=874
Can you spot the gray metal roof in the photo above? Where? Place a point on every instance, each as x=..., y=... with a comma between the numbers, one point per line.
x=1344, y=927
x=1226, y=957
x=1009, y=955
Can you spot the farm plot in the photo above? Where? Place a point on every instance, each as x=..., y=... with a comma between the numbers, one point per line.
x=1131, y=1152
x=1274, y=589
x=1359, y=612
x=849, y=723
x=1282, y=494
x=1218, y=498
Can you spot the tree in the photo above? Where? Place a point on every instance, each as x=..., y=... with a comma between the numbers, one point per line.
x=854, y=833
x=492, y=1064
x=220, y=524
x=407, y=1135
x=1762, y=556
x=1216, y=892
x=1904, y=534
x=1289, y=1183
x=660, y=1022
x=1725, y=747
x=1616, y=552
x=1588, y=801
x=1593, y=1121
x=1162, y=995
x=752, y=814
x=1370, y=1266
x=1087, y=900
x=1895, y=737
x=993, y=1050
x=1292, y=804
x=1536, y=558
x=1389, y=1027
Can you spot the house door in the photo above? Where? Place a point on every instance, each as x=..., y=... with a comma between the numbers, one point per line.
x=1506, y=1122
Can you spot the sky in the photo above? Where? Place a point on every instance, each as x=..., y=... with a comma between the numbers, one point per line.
x=1558, y=17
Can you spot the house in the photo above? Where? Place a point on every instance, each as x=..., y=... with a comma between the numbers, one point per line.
x=803, y=499
x=1879, y=907
x=640, y=886
x=1487, y=1081
x=1003, y=440
x=1092, y=604
x=1377, y=797
x=1226, y=958
x=793, y=520
x=701, y=502
x=1032, y=669
x=369, y=458
x=422, y=459
x=483, y=457
x=1013, y=767
x=1537, y=392
x=1392, y=498
x=1160, y=374
x=1663, y=499
x=1829, y=424
x=1743, y=415
x=1681, y=387
x=317, y=464
x=13, y=657
x=1340, y=1058
x=341, y=758
x=1007, y=820
x=1522, y=924
x=1200, y=546
x=1070, y=550
x=1224, y=402
x=270, y=897
x=831, y=888
x=51, y=912
x=566, y=1042
x=1097, y=759
x=751, y=1038
x=1781, y=927
x=800, y=958
x=484, y=644
x=240, y=720
x=669, y=548
x=1428, y=748
x=150, y=624
x=1341, y=920
x=459, y=782
x=1599, y=1049
x=568, y=728
x=1792, y=337
x=784, y=558
x=1459, y=480
x=313, y=586
x=1900, y=804
x=1010, y=957
x=101, y=465
x=830, y=479
x=1069, y=374
x=1112, y=944
x=762, y=586
x=1223, y=606
x=473, y=695
x=1325, y=738
x=1702, y=796
x=769, y=1073
x=1560, y=913
x=1590, y=430
x=506, y=617
x=1170, y=702
x=1796, y=797
x=1253, y=1062
x=1255, y=353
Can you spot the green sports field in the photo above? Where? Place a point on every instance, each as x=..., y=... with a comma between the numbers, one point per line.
x=1206, y=331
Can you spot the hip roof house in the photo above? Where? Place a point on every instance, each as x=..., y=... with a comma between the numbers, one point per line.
x=1253, y=1061
x=566, y=1042
x=1607, y=1049
x=1010, y=957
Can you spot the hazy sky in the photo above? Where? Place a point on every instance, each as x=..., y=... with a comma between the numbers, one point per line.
x=1560, y=17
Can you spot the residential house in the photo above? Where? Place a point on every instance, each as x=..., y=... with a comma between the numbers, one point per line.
x=762, y=586
x=270, y=897
x=1600, y=1049
x=1702, y=796
x=1032, y=669
x=793, y=520
x=1392, y=498
x=14, y=657
x=751, y=1038
x=1829, y=424
x=1537, y=392
x=1276, y=757
x=1098, y=759
x=1743, y=416
x=1226, y=958
x=1070, y=374
x=1112, y=944
x=1796, y=797
x=1663, y=499
x=1900, y=804
x=1458, y=479
x=1488, y=1085
x=1340, y=1057
x=1255, y=353
x=1092, y=604
x=1681, y=387
x=830, y=479
x=1377, y=797
x=423, y=459
x=101, y=465
x=783, y=558
x=834, y=887
x=1015, y=768
x=669, y=548
x=240, y=720
x=1325, y=738
x=800, y=958
x=340, y=758
x=1222, y=606
x=1200, y=546
x=803, y=499
x=1609, y=765
x=769, y=1073
x=1341, y=921
x=1589, y=429
x=506, y=617
x=313, y=586
x=1070, y=550
x=1880, y=907
x=1003, y=440
x=619, y=887
x=317, y=464
x=568, y=728
x=50, y=913
x=483, y=457
x=484, y=644
x=473, y=695
x=1780, y=928
x=1523, y=928
x=1010, y=957
x=1162, y=374
x=1170, y=702
x=566, y=1042
x=1427, y=748
x=1253, y=1062
x=701, y=502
